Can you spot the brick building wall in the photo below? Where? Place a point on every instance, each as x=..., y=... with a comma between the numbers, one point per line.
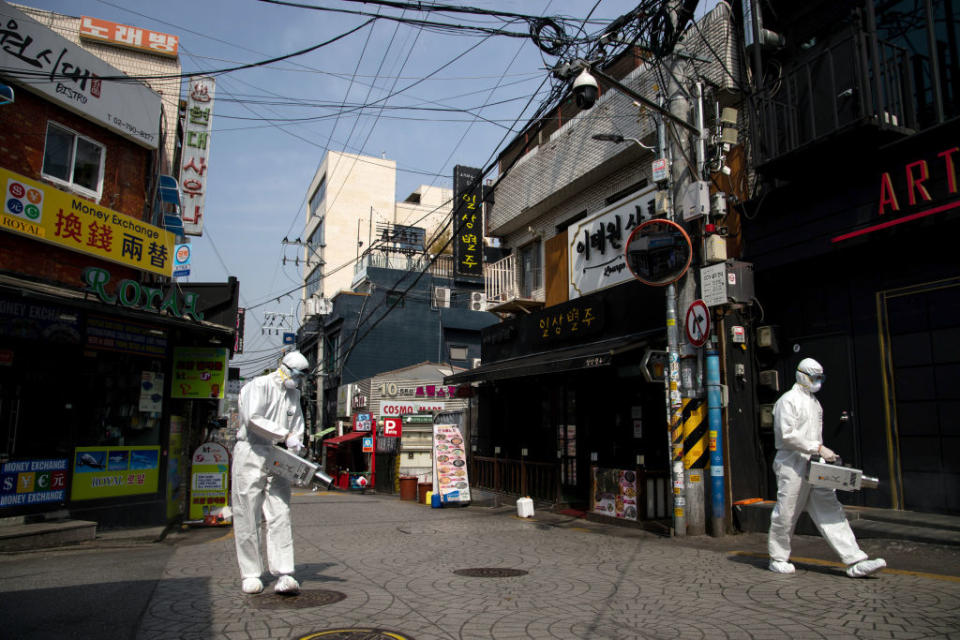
x=126, y=170
x=133, y=63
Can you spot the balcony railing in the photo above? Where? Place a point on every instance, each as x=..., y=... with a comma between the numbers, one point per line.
x=441, y=267
x=504, y=287
x=837, y=88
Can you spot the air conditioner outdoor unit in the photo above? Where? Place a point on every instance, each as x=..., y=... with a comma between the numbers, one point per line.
x=478, y=301
x=441, y=297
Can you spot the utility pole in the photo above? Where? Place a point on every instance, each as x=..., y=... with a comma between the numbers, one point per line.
x=672, y=375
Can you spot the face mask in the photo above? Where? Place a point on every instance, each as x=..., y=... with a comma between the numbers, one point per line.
x=291, y=380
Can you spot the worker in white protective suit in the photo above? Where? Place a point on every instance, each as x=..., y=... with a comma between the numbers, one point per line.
x=269, y=413
x=798, y=435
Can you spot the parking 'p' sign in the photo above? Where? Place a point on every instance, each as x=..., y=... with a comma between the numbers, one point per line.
x=392, y=427
x=698, y=323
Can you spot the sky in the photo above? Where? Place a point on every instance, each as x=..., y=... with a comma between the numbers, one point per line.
x=273, y=124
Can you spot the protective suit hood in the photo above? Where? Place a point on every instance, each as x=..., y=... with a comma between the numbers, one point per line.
x=293, y=369
x=810, y=375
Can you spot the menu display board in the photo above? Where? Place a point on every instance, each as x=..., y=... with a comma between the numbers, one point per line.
x=614, y=493
x=450, y=464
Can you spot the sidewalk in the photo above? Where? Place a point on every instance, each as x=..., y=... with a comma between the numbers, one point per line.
x=396, y=567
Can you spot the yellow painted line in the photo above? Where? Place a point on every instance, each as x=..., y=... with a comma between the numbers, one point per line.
x=224, y=537
x=840, y=565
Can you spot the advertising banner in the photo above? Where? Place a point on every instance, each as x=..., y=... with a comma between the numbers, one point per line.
x=39, y=211
x=209, y=484
x=614, y=493
x=67, y=74
x=175, y=493
x=151, y=392
x=29, y=482
x=108, y=472
x=181, y=260
x=112, y=334
x=450, y=464
x=199, y=372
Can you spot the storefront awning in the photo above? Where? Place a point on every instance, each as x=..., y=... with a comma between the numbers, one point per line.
x=347, y=437
x=584, y=356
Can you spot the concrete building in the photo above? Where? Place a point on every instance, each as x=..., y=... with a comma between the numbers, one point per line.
x=566, y=413
x=351, y=202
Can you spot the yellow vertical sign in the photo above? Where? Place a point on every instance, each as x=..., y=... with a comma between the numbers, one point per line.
x=41, y=212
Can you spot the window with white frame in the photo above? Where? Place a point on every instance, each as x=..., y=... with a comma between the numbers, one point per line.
x=73, y=160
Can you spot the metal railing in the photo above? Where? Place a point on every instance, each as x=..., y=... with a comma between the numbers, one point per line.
x=502, y=280
x=841, y=85
x=442, y=266
x=539, y=480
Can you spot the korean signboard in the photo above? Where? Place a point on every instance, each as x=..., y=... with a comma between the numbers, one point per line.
x=596, y=244
x=209, y=486
x=199, y=372
x=70, y=76
x=122, y=35
x=39, y=211
x=196, y=153
x=467, y=221
x=29, y=482
x=108, y=472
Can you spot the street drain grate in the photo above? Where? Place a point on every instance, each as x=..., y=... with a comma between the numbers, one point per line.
x=304, y=600
x=490, y=572
x=356, y=634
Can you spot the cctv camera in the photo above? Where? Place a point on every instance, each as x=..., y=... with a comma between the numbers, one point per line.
x=585, y=90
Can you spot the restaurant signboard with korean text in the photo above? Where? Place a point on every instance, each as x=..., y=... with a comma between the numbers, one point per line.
x=595, y=245
x=46, y=63
x=41, y=212
x=467, y=221
x=198, y=125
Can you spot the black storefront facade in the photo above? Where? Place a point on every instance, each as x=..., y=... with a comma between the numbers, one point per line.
x=857, y=266
x=562, y=395
x=90, y=423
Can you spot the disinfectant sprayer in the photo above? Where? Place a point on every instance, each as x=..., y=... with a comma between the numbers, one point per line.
x=284, y=464
x=835, y=476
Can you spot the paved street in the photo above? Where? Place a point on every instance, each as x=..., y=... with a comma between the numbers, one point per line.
x=378, y=563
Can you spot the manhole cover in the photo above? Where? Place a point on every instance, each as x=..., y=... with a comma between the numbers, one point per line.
x=490, y=572
x=356, y=634
x=305, y=599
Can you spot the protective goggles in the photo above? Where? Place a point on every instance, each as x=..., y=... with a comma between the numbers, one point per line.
x=815, y=377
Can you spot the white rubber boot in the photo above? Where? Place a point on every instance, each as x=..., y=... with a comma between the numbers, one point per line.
x=287, y=585
x=778, y=566
x=252, y=585
x=865, y=568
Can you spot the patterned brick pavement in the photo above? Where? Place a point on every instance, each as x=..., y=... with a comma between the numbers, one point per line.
x=395, y=560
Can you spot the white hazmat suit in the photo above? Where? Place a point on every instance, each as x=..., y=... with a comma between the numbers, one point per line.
x=269, y=413
x=798, y=435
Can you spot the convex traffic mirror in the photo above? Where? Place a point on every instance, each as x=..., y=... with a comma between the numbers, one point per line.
x=658, y=252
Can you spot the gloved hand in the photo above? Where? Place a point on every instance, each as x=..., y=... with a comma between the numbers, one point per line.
x=827, y=454
x=294, y=445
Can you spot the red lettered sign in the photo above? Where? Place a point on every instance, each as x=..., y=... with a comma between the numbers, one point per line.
x=392, y=427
